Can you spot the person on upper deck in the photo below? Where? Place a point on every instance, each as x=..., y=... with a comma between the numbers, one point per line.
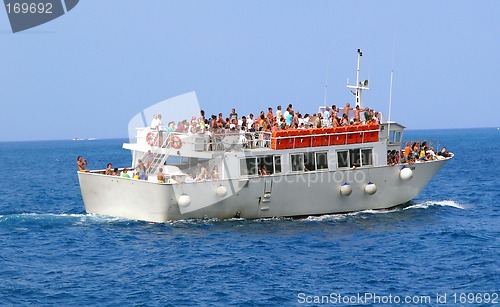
x=357, y=112
x=270, y=115
x=278, y=112
x=154, y=122
x=288, y=117
x=347, y=108
x=345, y=120
x=233, y=116
x=213, y=122
x=244, y=123
x=333, y=114
x=250, y=121
x=221, y=123
x=326, y=114
x=367, y=114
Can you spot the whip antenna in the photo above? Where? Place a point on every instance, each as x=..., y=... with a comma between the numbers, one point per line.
x=326, y=78
x=390, y=89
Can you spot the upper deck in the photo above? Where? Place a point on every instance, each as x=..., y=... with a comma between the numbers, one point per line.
x=230, y=140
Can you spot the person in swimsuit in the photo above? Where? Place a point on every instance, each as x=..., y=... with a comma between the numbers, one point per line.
x=160, y=176
x=347, y=108
x=215, y=173
x=109, y=170
x=141, y=169
x=80, y=163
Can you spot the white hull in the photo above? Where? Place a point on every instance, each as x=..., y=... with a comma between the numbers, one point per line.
x=289, y=195
x=327, y=169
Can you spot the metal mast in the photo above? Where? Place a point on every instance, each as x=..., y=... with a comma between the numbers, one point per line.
x=360, y=86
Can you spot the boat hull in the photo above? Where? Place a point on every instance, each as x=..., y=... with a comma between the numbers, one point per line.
x=290, y=195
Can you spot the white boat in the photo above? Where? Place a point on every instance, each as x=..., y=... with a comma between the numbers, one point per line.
x=308, y=172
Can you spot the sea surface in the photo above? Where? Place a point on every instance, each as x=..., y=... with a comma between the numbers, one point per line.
x=442, y=247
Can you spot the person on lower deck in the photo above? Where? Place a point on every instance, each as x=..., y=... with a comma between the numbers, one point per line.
x=109, y=169
x=172, y=180
x=160, y=177
x=125, y=173
x=141, y=169
x=80, y=163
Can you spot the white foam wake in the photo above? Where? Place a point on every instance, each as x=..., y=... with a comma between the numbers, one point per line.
x=343, y=216
x=80, y=218
x=362, y=214
x=442, y=203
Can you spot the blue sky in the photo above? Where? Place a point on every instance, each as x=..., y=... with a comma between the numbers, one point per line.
x=88, y=72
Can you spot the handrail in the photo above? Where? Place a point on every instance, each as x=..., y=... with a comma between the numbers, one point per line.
x=281, y=139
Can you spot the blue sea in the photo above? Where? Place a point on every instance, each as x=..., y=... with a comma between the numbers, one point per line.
x=442, y=247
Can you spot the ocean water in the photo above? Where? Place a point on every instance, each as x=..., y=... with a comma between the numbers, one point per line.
x=443, y=246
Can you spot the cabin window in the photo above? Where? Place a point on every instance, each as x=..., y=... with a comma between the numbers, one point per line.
x=297, y=161
x=342, y=158
x=366, y=157
x=248, y=167
x=309, y=164
x=277, y=164
x=355, y=157
x=321, y=160
x=395, y=137
x=267, y=162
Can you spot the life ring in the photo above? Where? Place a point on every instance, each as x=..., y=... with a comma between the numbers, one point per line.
x=175, y=142
x=151, y=138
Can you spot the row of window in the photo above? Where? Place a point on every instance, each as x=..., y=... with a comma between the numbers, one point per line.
x=305, y=162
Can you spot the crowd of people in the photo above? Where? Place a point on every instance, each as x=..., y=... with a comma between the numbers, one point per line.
x=416, y=152
x=413, y=152
x=273, y=120
x=196, y=174
x=268, y=122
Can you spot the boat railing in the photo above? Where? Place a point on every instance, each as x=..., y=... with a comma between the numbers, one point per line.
x=238, y=140
x=281, y=139
x=302, y=138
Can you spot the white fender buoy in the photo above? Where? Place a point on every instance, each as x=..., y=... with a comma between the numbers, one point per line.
x=221, y=191
x=345, y=189
x=184, y=200
x=406, y=173
x=370, y=188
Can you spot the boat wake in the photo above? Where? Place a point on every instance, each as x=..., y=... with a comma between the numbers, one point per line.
x=364, y=214
x=55, y=218
x=44, y=218
x=431, y=203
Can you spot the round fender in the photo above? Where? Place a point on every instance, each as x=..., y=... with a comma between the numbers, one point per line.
x=405, y=173
x=345, y=189
x=370, y=188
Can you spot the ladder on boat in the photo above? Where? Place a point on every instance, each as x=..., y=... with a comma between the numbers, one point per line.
x=159, y=158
